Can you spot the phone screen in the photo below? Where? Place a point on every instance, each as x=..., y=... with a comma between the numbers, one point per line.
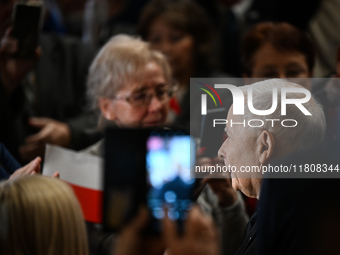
x=26, y=26
x=170, y=158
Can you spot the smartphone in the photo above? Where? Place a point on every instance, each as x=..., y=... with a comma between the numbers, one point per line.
x=26, y=19
x=170, y=160
x=124, y=176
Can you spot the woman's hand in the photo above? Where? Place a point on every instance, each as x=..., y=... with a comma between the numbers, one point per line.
x=199, y=237
x=31, y=168
x=132, y=242
x=220, y=183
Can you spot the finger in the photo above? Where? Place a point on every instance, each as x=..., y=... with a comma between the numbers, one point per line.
x=170, y=231
x=37, y=165
x=34, y=173
x=56, y=175
x=33, y=165
x=139, y=222
x=195, y=222
x=29, y=168
x=28, y=147
x=39, y=122
x=37, y=138
x=38, y=169
x=41, y=137
x=209, y=228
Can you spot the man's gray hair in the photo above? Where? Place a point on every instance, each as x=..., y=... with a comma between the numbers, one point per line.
x=310, y=129
x=121, y=61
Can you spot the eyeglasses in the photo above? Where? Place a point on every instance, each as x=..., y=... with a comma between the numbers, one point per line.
x=142, y=98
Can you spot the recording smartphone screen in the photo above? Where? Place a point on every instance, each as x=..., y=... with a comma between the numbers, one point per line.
x=170, y=158
x=26, y=26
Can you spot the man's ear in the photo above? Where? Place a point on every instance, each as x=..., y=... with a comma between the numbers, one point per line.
x=107, y=108
x=266, y=144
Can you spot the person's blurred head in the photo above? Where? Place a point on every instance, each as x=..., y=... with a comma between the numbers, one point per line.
x=256, y=144
x=278, y=50
x=41, y=216
x=181, y=30
x=130, y=83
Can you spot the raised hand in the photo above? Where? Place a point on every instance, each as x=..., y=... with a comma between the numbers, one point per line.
x=199, y=237
x=31, y=168
x=51, y=131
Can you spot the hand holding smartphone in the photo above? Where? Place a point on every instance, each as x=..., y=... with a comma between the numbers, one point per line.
x=150, y=167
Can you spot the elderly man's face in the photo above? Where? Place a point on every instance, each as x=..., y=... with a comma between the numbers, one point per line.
x=125, y=114
x=239, y=150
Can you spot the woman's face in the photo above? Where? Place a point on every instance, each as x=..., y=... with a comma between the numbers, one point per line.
x=125, y=114
x=269, y=62
x=175, y=44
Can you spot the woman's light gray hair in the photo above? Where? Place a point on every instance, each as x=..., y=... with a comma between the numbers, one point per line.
x=310, y=129
x=120, y=62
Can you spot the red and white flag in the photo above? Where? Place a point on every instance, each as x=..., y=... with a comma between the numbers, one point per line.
x=84, y=173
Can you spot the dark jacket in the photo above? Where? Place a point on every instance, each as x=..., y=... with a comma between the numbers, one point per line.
x=249, y=243
x=8, y=164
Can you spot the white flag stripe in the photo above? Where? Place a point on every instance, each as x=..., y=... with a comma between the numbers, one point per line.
x=78, y=168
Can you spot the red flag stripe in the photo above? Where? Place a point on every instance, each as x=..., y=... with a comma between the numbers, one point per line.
x=90, y=201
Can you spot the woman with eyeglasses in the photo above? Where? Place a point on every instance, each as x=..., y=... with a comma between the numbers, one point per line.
x=130, y=84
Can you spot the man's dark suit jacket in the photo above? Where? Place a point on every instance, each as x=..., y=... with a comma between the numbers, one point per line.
x=249, y=243
x=301, y=216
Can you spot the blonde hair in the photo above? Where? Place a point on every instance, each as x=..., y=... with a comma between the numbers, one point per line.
x=41, y=216
x=120, y=61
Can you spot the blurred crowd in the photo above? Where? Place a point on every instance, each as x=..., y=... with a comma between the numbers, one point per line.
x=128, y=64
